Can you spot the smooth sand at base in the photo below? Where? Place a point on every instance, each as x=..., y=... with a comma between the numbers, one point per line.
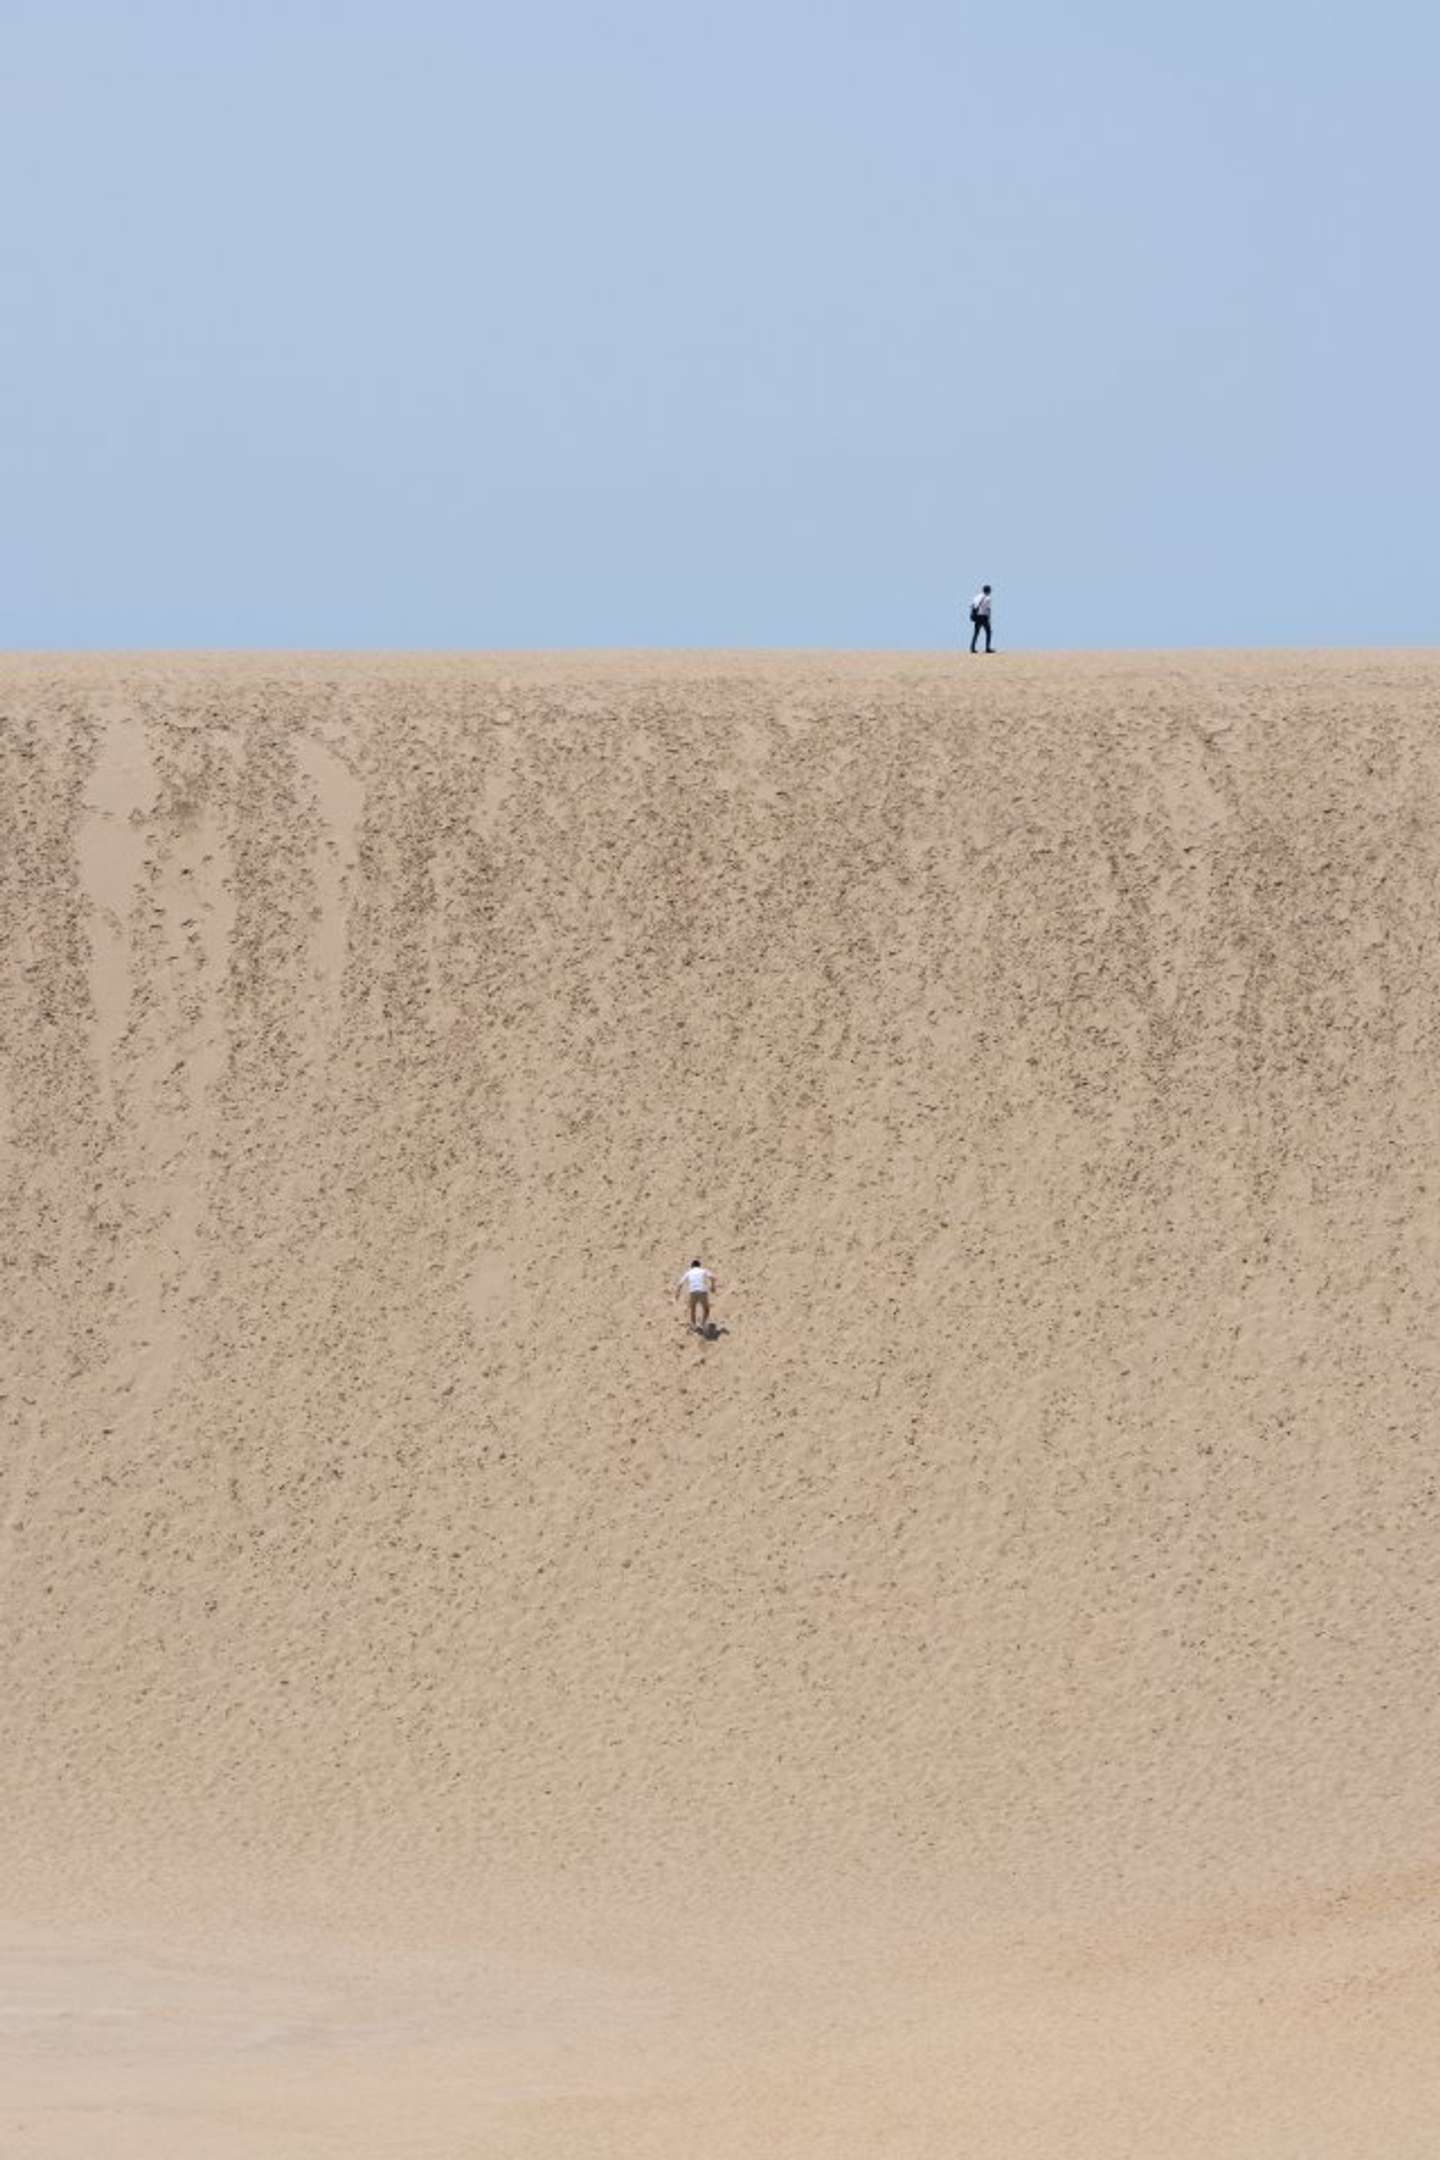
x=982, y=1704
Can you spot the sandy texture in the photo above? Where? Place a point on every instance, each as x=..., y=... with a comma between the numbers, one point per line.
x=984, y=1703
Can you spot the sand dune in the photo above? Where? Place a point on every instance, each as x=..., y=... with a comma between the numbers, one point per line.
x=985, y=1702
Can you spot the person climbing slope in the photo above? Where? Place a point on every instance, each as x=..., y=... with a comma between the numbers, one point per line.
x=697, y=1283
x=980, y=618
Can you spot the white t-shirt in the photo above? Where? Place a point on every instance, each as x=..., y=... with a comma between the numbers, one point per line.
x=981, y=603
x=697, y=1280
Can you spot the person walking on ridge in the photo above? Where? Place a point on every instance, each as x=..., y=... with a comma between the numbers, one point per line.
x=696, y=1283
x=980, y=619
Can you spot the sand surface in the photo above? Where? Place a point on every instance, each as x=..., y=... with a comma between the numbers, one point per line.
x=985, y=1703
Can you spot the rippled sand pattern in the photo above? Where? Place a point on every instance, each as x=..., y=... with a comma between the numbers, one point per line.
x=984, y=1703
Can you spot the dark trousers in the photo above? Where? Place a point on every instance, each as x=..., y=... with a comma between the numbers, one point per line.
x=982, y=622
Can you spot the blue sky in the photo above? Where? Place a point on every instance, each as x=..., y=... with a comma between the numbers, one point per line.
x=445, y=325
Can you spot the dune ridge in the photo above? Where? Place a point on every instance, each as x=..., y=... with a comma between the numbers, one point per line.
x=983, y=1701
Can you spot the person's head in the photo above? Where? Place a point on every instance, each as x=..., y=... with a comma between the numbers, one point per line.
x=984, y=588
x=694, y=1263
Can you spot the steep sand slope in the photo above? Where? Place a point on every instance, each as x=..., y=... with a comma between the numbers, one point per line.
x=985, y=1702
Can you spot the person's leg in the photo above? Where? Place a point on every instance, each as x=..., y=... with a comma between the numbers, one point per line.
x=696, y=1304
x=974, y=635
x=988, y=645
